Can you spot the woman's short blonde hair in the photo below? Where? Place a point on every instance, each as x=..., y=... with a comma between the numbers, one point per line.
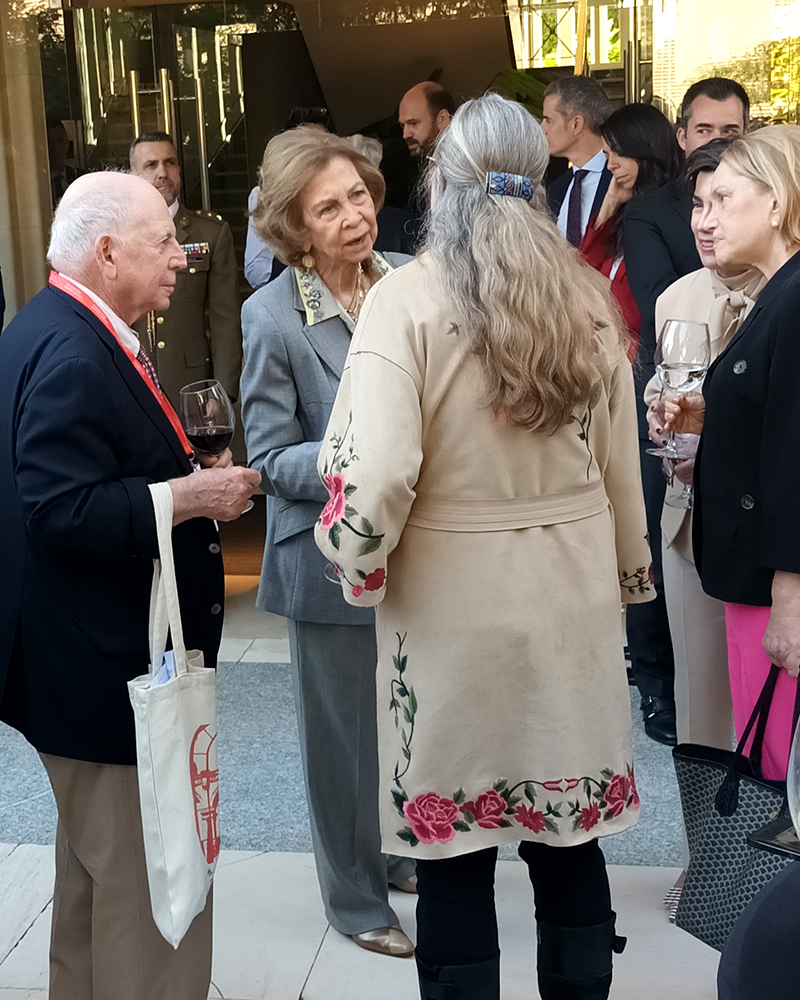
x=770, y=158
x=291, y=160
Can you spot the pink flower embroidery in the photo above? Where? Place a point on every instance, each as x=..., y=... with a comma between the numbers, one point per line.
x=650, y=575
x=562, y=785
x=616, y=795
x=530, y=819
x=634, y=794
x=357, y=591
x=488, y=809
x=375, y=580
x=431, y=817
x=333, y=512
x=590, y=817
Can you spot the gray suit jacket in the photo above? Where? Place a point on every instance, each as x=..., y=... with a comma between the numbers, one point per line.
x=290, y=379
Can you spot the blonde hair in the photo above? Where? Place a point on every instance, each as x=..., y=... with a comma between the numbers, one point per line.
x=519, y=291
x=291, y=160
x=770, y=158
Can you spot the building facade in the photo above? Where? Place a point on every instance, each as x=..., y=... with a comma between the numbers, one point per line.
x=223, y=76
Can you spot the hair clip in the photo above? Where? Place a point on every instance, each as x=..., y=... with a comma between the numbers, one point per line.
x=513, y=185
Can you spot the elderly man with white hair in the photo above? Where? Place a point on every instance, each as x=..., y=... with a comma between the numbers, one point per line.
x=84, y=428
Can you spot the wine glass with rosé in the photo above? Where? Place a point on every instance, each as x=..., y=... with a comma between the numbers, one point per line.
x=683, y=354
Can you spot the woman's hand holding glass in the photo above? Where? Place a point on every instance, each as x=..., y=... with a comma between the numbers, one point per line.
x=682, y=357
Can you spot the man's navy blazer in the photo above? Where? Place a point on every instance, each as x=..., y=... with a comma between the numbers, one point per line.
x=556, y=192
x=81, y=437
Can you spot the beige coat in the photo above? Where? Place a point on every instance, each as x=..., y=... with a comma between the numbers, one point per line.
x=496, y=558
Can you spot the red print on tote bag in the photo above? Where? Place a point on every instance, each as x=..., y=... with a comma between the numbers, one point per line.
x=205, y=789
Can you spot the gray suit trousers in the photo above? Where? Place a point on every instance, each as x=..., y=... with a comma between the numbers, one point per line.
x=334, y=683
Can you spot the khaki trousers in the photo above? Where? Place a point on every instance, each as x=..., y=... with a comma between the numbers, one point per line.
x=704, y=710
x=104, y=943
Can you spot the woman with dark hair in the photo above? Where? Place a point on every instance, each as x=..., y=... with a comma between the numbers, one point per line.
x=642, y=155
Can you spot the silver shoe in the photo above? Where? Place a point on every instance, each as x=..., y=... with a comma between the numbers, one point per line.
x=386, y=941
x=405, y=884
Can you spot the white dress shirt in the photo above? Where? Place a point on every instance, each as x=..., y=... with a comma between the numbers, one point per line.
x=595, y=166
x=173, y=208
x=121, y=328
x=258, y=257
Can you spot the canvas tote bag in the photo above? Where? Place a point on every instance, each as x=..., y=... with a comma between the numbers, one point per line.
x=176, y=748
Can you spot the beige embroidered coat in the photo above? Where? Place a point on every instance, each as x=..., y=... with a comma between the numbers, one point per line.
x=496, y=558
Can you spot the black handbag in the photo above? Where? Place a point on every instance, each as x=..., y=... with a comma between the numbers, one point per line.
x=724, y=800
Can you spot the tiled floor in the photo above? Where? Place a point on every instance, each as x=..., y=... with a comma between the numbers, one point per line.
x=272, y=941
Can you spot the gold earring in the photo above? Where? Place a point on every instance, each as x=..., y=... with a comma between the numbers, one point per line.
x=308, y=261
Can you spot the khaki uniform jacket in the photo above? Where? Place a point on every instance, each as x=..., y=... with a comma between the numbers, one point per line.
x=200, y=335
x=496, y=558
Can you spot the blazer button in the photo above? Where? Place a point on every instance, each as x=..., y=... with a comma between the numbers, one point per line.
x=160, y=320
x=215, y=609
x=192, y=270
x=739, y=367
x=747, y=502
x=214, y=548
x=161, y=345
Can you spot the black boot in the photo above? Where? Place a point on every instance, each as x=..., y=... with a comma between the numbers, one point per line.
x=574, y=963
x=460, y=982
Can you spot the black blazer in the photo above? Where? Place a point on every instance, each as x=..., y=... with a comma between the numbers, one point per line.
x=81, y=436
x=659, y=248
x=747, y=472
x=557, y=191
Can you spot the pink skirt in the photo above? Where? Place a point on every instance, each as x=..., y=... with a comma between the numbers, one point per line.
x=748, y=666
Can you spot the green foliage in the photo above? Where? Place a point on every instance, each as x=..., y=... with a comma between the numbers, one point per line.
x=521, y=85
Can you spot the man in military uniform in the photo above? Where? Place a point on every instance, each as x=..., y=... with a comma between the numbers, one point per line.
x=200, y=336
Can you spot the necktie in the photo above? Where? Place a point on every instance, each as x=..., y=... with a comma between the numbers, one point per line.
x=574, y=228
x=147, y=364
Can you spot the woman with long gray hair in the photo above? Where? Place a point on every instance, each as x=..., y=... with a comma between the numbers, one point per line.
x=482, y=466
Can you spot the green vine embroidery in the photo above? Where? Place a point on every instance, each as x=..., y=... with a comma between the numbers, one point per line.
x=403, y=700
x=585, y=422
x=339, y=512
x=638, y=582
x=432, y=818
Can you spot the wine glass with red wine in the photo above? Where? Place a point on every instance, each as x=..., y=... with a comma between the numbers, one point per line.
x=208, y=418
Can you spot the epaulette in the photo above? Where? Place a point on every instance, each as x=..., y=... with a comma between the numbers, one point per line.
x=209, y=215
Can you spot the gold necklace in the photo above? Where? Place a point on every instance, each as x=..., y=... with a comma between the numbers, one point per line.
x=353, y=310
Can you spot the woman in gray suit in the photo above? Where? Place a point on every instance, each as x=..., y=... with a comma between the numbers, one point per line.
x=316, y=208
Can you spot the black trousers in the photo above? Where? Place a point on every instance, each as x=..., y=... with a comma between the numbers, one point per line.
x=456, y=917
x=649, y=641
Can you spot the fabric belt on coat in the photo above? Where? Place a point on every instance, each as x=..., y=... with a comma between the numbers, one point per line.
x=506, y=515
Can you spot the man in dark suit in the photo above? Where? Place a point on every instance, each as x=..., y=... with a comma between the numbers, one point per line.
x=84, y=430
x=575, y=108
x=659, y=249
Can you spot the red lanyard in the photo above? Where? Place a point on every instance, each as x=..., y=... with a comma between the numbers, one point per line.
x=64, y=284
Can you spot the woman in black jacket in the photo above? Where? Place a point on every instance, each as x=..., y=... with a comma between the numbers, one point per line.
x=747, y=472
